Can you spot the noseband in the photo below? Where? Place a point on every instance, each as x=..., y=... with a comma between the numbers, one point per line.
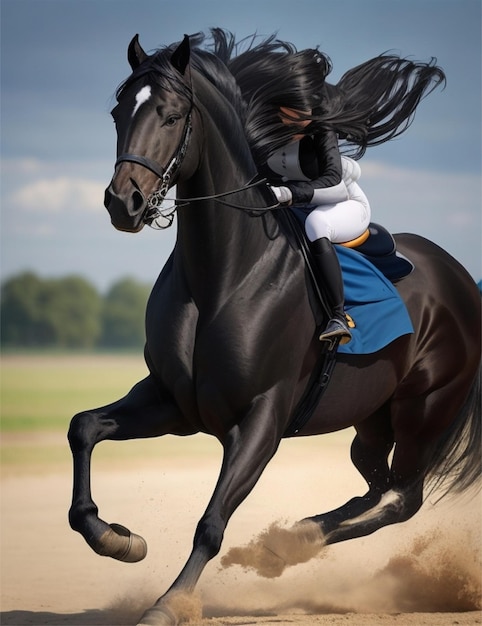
x=166, y=174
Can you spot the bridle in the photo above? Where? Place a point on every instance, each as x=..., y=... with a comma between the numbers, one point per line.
x=159, y=218
x=165, y=174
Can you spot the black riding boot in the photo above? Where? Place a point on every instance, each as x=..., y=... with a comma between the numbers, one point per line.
x=330, y=271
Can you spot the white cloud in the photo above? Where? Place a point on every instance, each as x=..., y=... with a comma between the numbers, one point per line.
x=441, y=206
x=53, y=195
x=49, y=188
x=422, y=197
x=21, y=169
x=31, y=185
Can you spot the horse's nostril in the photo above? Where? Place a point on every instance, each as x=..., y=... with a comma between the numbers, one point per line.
x=138, y=201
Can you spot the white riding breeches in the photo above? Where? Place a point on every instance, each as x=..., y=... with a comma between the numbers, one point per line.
x=341, y=221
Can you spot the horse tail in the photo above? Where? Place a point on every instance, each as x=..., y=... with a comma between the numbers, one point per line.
x=456, y=463
x=376, y=101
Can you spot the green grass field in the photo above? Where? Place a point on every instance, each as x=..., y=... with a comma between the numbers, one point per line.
x=40, y=394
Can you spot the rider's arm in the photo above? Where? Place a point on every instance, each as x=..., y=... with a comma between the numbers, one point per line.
x=328, y=187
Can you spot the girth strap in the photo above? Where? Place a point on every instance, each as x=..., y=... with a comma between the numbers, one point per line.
x=315, y=389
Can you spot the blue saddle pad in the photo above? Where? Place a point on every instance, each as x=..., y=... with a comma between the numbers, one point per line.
x=379, y=313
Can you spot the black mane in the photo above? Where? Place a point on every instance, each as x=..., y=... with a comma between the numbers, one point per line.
x=271, y=74
x=370, y=104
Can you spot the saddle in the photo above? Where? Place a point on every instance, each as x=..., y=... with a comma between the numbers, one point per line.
x=379, y=247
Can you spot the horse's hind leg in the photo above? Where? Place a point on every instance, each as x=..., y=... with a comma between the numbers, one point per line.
x=369, y=453
x=139, y=414
x=418, y=421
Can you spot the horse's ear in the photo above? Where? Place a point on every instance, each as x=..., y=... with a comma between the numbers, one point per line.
x=135, y=53
x=180, y=56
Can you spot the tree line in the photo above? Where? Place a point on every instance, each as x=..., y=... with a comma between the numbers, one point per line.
x=70, y=312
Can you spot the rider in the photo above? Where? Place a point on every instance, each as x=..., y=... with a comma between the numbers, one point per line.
x=372, y=103
x=310, y=173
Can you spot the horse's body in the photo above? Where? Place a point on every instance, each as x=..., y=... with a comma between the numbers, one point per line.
x=231, y=341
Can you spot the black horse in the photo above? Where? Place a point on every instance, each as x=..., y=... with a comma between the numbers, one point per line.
x=231, y=331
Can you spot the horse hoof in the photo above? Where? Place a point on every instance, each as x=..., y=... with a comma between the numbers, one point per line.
x=158, y=616
x=119, y=543
x=178, y=607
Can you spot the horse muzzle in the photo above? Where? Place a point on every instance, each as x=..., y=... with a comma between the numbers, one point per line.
x=126, y=210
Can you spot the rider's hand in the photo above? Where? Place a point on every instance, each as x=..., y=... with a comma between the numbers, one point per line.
x=283, y=195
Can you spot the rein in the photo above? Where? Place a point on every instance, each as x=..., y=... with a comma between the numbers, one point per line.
x=159, y=219
x=168, y=214
x=179, y=202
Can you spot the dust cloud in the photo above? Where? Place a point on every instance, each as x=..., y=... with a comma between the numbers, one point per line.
x=438, y=570
x=129, y=609
x=277, y=548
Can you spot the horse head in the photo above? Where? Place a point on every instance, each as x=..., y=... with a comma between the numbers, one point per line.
x=153, y=124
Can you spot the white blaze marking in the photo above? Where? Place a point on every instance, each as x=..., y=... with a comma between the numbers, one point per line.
x=143, y=96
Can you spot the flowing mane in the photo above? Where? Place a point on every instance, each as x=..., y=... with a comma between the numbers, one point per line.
x=371, y=103
x=272, y=73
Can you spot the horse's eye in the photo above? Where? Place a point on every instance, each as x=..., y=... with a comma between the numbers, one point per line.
x=172, y=120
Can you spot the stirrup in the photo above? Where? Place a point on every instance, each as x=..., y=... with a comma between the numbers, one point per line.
x=336, y=328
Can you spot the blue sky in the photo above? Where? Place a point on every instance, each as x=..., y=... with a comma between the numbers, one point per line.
x=61, y=61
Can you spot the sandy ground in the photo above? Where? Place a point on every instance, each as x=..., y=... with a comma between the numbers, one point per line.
x=424, y=572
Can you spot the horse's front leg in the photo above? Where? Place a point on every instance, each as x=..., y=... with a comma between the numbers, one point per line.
x=139, y=414
x=248, y=448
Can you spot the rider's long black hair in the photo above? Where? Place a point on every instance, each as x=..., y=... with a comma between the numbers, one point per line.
x=370, y=104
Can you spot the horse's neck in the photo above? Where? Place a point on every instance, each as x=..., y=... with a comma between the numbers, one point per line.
x=219, y=245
